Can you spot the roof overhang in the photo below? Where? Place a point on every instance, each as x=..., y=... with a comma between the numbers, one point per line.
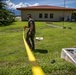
x=46, y=8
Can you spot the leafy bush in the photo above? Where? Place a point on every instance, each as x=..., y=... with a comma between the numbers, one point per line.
x=6, y=16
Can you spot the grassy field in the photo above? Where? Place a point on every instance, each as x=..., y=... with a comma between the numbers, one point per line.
x=13, y=56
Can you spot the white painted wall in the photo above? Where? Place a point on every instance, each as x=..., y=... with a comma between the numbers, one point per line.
x=35, y=14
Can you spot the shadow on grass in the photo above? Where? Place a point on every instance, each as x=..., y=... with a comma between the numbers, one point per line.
x=41, y=51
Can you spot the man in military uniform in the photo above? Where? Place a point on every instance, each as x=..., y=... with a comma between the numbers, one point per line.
x=31, y=32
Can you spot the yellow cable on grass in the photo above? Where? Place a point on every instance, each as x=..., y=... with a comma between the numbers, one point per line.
x=29, y=53
x=35, y=69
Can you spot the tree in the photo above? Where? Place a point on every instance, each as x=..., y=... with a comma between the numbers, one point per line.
x=73, y=16
x=6, y=16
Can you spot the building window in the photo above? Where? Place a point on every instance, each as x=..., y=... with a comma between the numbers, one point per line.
x=46, y=15
x=51, y=15
x=40, y=15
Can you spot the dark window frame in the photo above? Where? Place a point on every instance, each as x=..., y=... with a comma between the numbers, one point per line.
x=46, y=15
x=40, y=15
x=51, y=15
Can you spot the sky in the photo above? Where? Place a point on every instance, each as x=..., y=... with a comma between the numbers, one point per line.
x=13, y=4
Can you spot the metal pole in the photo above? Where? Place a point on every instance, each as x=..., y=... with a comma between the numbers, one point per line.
x=64, y=14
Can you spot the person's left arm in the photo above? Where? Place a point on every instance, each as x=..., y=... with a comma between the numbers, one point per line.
x=31, y=27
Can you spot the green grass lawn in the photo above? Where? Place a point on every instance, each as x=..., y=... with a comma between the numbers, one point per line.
x=13, y=56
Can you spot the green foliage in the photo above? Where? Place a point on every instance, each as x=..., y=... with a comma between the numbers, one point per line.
x=6, y=16
x=13, y=56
